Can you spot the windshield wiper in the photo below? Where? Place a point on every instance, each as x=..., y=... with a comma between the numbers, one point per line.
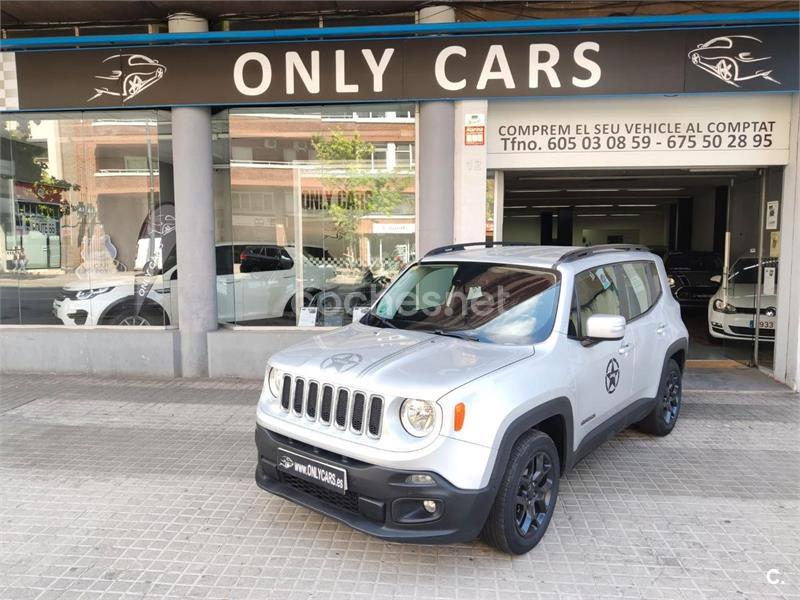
x=470, y=337
x=382, y=320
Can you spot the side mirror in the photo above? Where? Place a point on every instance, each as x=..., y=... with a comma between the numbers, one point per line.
x=716, y=279
x=605, y=327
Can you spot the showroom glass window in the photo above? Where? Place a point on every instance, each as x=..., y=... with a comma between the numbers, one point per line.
x=320, y=208
x=86, y=219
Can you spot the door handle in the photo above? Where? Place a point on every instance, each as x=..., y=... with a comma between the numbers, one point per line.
x=625, y=348
x=662, y=329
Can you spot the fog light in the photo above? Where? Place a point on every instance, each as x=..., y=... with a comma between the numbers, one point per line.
x=430, y=505
x=420, y=479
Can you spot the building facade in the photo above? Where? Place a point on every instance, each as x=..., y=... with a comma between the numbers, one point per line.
x=287, y=175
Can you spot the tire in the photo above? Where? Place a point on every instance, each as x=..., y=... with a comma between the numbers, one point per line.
x=661, y=420
x=515, y=525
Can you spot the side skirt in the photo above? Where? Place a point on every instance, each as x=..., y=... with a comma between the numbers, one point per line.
x=612, y=426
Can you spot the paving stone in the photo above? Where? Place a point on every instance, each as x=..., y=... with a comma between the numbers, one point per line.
x=143, y=488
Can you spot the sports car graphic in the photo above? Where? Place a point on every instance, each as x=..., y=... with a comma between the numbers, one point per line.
x=140, y=74
x=733, y=58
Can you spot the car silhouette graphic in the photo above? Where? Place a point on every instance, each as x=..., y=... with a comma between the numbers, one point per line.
x=143, y=72
x=733, y=58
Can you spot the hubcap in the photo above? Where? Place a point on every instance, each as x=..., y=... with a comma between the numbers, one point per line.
x=534, y=494
x=134, y=321
x=671, y=402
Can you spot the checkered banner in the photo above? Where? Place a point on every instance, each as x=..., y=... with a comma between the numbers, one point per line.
x=9, y=98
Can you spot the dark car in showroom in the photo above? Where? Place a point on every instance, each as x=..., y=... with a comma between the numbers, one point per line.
x=689, y=274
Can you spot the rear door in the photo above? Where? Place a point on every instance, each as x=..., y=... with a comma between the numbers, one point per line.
x=647, y=326
x=604, y=370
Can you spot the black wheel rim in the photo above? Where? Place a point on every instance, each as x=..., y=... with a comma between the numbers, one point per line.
x=671, y=402
x=534, y=494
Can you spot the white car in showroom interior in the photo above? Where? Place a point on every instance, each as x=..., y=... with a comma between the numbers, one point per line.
x=265, y=293
x=732, y=309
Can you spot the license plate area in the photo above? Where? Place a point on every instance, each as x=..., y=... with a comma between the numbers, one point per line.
x=323, y=474
x=764, y=324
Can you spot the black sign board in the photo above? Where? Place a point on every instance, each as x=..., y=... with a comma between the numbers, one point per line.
x=741, y=59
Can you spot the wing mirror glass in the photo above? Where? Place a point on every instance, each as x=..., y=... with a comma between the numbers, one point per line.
x=716, y=279
x=605, y=327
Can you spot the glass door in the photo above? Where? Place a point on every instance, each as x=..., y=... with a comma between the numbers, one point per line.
x=745, y=307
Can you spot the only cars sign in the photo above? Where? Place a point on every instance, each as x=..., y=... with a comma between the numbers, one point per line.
x=747, y=59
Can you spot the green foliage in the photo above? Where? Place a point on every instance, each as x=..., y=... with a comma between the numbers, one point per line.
x=358, y=190
x=51, y=190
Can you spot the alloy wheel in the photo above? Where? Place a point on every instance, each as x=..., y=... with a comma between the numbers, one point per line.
x=534, y=494
x=671, y=402
x=134, y=321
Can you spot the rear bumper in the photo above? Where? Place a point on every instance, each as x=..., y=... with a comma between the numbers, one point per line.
x=378, y=500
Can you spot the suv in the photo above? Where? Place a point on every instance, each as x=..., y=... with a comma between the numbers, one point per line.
x=477, y=379
x=241, y=296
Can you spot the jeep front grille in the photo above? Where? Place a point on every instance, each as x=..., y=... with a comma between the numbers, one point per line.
x=340, y=408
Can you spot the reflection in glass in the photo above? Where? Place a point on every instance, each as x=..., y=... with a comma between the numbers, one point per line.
x=85, y=237
x=337, y=182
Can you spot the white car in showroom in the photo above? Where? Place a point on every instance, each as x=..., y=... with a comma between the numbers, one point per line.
x=265, y=293
x=732, y=309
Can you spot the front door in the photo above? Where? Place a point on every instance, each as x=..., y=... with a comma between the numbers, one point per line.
x=603, y=370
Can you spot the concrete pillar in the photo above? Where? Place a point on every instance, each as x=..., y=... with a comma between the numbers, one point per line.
x=194, y=223
x=435, y=152
x=787, y=330
x=469, y=174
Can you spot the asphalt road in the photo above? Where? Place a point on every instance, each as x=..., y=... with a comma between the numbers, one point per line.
x=27, y=305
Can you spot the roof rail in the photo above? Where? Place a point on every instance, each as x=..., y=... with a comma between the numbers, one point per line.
x=574, y=255
x=457, y=247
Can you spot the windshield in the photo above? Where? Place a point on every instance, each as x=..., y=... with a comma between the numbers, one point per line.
x=744, y=270
x=694, y=262
x=480, y=301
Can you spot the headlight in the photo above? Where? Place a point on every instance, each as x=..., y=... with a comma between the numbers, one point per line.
x=275, y=381
x=723, y=307
x=418, y=416
x=89, y=294
x=671, y=281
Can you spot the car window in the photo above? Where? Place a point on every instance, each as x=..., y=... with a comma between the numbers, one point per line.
x=655, y=281
x=285, y=261
x=597, y=292
x=224, y=255
x=637, y=288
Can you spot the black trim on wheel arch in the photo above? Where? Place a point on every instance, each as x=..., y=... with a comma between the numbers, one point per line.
x=680, y=345
x=557, y=407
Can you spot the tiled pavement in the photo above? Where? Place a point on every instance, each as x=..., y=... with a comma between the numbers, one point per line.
x=144, y=488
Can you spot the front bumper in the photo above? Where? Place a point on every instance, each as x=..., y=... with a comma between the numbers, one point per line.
x=739, y=326
x=377, y=498
x=72, y=312
x=687, y=295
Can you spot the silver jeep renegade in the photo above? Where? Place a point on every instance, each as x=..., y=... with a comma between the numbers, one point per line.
x=477, y=379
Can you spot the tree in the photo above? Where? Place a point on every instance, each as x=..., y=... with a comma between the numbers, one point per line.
x=356, y=189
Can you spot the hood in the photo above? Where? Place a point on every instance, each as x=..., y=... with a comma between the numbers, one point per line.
x=100, y=281
x=744, y=295
x=395, y=362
